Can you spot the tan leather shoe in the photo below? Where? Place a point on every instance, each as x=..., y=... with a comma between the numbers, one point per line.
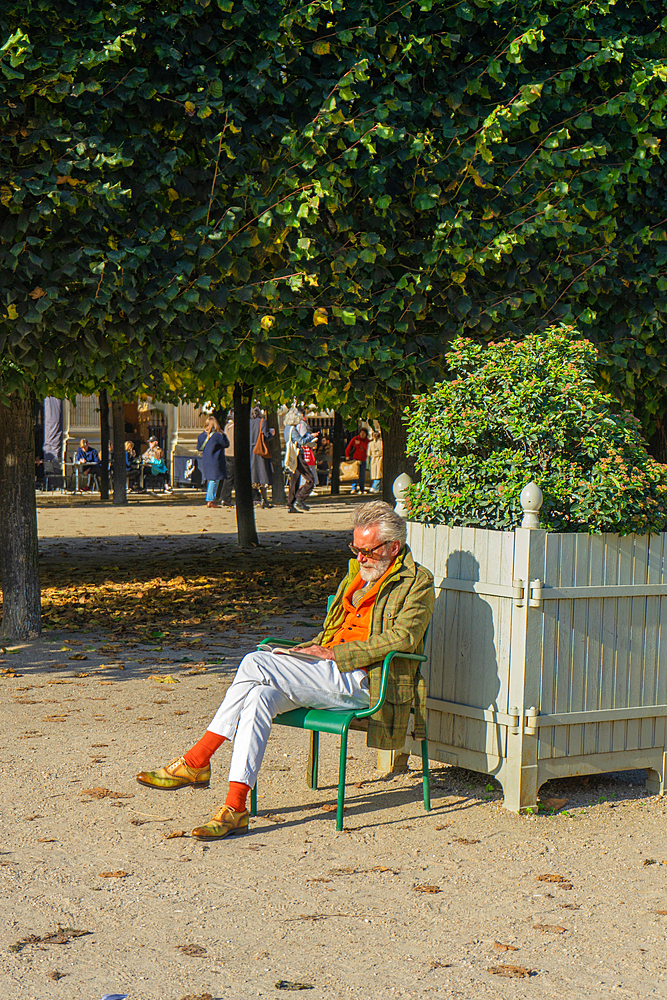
x=176, y=775
x=223, y=823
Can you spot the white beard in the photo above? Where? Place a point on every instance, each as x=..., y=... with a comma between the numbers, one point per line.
x=370, y=572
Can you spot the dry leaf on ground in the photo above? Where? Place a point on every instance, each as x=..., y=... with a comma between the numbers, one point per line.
x=319, y=880
x=55, y=975
x=286, y=984
x=163, y=678
x=175, y=835
x=504, y=947
x=61, y=936
x=118, y=874
x=46, y=840
x=550, y=928
x=427, y=888
x=193, y=950
x=341, y=871
x=465, y=841
x=440, y=965
x=77, y=656
x=649, y=861
x=106, y=793
x=551, y=878
x=511, y=971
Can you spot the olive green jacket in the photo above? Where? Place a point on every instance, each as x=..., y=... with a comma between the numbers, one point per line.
x=401, y=614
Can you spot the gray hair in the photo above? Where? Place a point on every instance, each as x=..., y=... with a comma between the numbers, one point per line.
x=392, y=526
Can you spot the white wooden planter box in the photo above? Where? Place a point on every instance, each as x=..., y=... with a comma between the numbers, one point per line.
x=564, y=633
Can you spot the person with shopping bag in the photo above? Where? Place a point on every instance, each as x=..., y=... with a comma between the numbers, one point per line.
x=357, y=451
x=261, y=467
x=297, y=435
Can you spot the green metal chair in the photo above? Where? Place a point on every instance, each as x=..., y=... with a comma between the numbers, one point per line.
x=319, y=720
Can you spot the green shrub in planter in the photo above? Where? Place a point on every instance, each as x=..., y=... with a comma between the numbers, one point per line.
x=527, y=410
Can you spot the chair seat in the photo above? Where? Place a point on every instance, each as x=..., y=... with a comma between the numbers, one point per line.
x=320, y=720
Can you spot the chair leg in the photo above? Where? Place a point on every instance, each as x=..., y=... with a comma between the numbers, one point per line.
x=341, y=780
x=253, y=800
x=425, y=776
x=313, y=759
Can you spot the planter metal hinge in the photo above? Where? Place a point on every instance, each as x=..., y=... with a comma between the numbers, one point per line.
x=518, y=588
x=535, y=600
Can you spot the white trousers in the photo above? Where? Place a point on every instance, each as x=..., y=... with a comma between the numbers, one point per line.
x=267, y=684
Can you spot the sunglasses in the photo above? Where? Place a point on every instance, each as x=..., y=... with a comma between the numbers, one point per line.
x=368, y=553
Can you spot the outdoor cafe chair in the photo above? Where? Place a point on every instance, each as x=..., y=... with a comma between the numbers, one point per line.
x=339, y=722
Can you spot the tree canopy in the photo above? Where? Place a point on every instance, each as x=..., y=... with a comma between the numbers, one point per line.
x=326, y=194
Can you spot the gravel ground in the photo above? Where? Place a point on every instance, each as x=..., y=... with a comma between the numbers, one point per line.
x=400, y=904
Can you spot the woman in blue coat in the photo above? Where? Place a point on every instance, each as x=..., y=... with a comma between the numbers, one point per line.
x=211, y=445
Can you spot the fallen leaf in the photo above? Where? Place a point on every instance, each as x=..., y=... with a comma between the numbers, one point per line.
x=60, y=936
x=511, y=971
x=163, y=679
x=554, y=804
x=549, y=928
x=465, y=841
x=341, y=871
x=105, y=793
x=193, y=950
x=551, y=878
x=649, y=861
x=427, y=888
x=46, y=840
x=661, y=913
x=571, y=906
x=440, y=965
x=138, y=822
x=118, y=874
x=274, y=818
x=55, y=975
x=77, y=656
x=325, y=880
x=175, y=834
x=286, y=984
x=504, y=947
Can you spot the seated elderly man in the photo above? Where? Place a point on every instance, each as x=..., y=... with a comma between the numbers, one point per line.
x=385, y=603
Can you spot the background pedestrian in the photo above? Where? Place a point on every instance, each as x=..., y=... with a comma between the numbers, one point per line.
x=211, y=444
x=261, y=467
x=356, y=451
x=375, y=459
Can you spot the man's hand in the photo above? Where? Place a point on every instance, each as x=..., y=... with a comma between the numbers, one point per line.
x=321, y=651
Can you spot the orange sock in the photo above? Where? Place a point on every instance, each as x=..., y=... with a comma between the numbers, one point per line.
x=201, y=752
x=237, y=795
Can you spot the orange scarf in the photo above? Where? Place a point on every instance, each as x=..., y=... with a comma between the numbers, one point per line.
x=356, y=625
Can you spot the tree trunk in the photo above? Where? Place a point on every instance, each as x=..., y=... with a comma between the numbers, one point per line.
x=119, y=469
x=245, y=511
x=104, y=447
x=278, y=485
x=19, y=567
x=337, y=443
x=394, y=442
x=657, y=443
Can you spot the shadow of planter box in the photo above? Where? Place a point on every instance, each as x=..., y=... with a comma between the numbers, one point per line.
x=567, y=632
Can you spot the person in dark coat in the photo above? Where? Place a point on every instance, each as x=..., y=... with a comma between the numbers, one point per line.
x=261, y=469
x=211, y=445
